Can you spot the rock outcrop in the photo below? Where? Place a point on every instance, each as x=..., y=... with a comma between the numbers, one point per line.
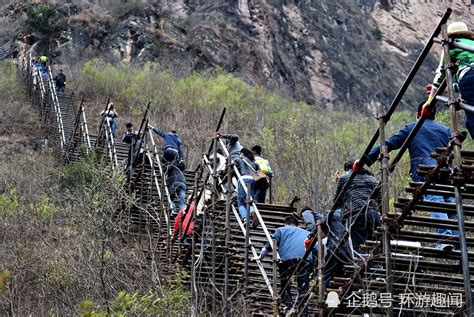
x=338, y=54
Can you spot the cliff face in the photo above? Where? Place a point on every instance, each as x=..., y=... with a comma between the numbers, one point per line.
x=343, y=54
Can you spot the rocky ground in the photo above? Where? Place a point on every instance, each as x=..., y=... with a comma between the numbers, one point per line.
x=336, y=54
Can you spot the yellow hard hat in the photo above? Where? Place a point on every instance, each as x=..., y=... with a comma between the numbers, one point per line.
x=457, y=27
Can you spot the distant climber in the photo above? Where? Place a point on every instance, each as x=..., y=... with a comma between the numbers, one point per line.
x=246, y=166
x=43, y=61
x=464, y=75
x=110, y=116
x=130, y=134
x=290, y=242
x=233, y=144
x=266, y=169
x=176, y=183
x=430, y=136
x=173, y=148
x=60, y=81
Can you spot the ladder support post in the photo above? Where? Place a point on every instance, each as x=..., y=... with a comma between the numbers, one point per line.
x=385, y=206
x=456, y=167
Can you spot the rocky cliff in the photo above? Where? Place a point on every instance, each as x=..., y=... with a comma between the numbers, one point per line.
x=342, y=54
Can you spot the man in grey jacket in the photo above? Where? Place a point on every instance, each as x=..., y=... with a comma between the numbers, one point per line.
x=233, y=144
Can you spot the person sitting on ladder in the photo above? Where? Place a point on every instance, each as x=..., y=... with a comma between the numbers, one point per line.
x=290, y=241
x=431, y=135
x=464, y=76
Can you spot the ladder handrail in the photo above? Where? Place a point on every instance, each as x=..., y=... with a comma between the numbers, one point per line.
x=149, y=155
x=57, y=108
x=253, y=205
x=160, y=168
x=111, y=145
x=242, y=227
x=85, y=130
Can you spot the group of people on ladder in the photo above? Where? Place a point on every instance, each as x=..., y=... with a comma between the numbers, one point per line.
x=356, y=215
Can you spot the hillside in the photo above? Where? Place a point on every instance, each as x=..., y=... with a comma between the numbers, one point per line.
x=335, y=54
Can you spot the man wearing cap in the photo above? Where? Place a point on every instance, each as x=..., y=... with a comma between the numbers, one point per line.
x=265, y=168
x=431, y=136
x=465, y=71
x=290, y=242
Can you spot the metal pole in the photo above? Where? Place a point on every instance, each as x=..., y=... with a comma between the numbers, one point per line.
x=247, y=238
x=194, y=293
x=456, y=166
x=214, y=212
x=276, y=300
x=227, y=235
x=385, y=206
x=461, y=105
x=321, y=289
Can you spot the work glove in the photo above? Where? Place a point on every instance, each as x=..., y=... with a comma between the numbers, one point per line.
x=256, y=258
x=426, y=110
x=428, y=88
x=357, y=166
x=308, y=241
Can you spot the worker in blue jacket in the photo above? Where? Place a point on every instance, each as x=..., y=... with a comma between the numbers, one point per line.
x=173, y=146
x=290, y=241
x=430, y=136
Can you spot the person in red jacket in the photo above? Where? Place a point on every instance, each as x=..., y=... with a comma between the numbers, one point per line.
x=181, y=223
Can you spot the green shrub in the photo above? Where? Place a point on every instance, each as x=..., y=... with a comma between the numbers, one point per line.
x=377, y=34
x=9, y=203
x=43, y=20
x=44, y=209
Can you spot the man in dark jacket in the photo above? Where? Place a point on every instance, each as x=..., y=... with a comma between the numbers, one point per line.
x=290, y=242
x=173, y=146
x=129, y=137
x=430, y=136
x=60, y=81
x=176, y=183
x=360, y=206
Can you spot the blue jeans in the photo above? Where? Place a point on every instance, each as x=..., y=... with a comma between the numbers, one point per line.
x=442, y=215
x=113, y=127
x=242, y=196
x=59, y=88
x=178, y=189
x=466, y=85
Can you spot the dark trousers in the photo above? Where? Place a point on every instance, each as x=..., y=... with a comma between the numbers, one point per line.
x=363, y=227
x=60, y=88
x=286, y=268
x=338, y=253
x=466, y=85
x=260, y=195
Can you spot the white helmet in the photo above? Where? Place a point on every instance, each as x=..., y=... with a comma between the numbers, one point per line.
x=457, y=27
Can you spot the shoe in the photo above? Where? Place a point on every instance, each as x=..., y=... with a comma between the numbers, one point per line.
x=254, y=220
x=445, y=247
